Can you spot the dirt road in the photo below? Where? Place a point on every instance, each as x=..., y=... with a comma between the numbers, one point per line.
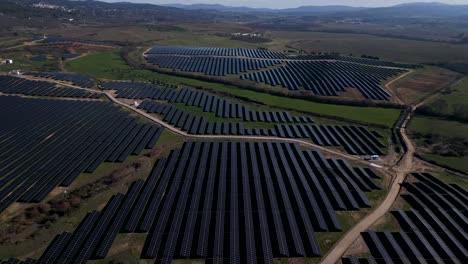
x=400, y=170
x=177, y=131
x=390, y=90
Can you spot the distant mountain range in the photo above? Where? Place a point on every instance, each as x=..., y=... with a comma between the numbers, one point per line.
x=417, y=10
x=297, y=10
x=126, y=12
x=404, y=10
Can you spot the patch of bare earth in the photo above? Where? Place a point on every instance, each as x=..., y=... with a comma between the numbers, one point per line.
x=424, y=83
x=359, y=247
x=353, y=93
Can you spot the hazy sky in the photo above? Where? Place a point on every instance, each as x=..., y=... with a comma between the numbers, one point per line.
x=290, y=3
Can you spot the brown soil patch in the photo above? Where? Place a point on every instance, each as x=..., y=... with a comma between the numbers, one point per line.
x=118, y=249
x=359, y=247
x=410, y=179
x=424, y=83
x=12, y=210
x=354, y=93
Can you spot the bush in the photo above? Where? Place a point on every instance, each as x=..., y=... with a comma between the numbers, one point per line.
x=75, y=201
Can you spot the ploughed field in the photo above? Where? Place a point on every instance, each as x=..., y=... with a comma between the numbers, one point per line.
x=325, y=75
x=238, y=202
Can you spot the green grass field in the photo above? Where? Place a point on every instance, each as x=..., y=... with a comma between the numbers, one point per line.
x=458, y=163
x=373, y=115
x=458, y=95
x=443, y=128
x=109, y=65
x=21, y=62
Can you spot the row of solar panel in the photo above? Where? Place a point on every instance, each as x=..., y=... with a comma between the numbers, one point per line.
x=433, y=232
x=356, y=140
x=16, y=85
x=224, y=52
x=323, y=77
x=47, y=143
x=214, y=66
x=265, y=54
x=209, y=103
x=223, y=201
x=226, y=110
x=327, y=78
x=75, y=79
x=356, y=60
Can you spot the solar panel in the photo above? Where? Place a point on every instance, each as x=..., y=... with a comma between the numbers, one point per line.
x=79, y=237
x=109, y=236
x=55, y=248
x=100, y=229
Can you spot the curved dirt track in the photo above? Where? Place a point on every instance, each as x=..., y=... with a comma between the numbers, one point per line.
x=400, y=171
x=397, y=172
x=230, y=137
x=177, y=131
x=389, y=88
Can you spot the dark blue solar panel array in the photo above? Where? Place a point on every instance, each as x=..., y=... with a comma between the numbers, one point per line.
x=224, y=52
x=190, y=97
x=323, y=76
x=224, y=202
x=69, y=56
x=356, y=140
x=46, y=143
x=40, y=57
x=328, y=78
x=434, y=231
x=15, y=85
x=226, y=110
x=136, y=90
x=214, y=66
x=75, y=79
x=357, y=60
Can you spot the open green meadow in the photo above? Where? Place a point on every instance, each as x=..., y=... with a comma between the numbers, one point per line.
x=109, y=65
x=458, y=163
x=448, y=102
x=435, y=137
x=22, y=62
x=439, y=127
